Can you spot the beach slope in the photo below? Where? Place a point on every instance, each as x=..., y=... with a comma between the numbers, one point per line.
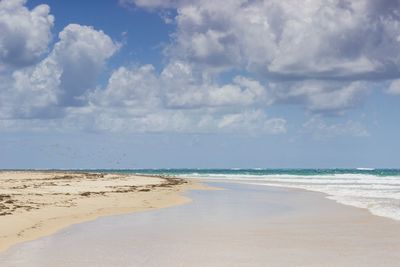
x=34, y=204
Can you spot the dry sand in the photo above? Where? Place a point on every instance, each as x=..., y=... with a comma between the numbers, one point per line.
x=34, y=204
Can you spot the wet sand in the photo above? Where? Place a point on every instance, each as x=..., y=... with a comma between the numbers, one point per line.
x=34, y=204
x=243, y=225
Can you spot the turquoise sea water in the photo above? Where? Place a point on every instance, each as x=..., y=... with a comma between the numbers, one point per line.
x=238, y=171
x=377, y=190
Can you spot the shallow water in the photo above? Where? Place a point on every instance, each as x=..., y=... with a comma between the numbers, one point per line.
x=377, y=190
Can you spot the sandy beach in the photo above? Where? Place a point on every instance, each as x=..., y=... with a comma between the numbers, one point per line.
x=243, y=225
x=200, y=133
x=35, y=204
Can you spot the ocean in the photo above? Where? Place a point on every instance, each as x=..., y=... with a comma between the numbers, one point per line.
x=377, y=190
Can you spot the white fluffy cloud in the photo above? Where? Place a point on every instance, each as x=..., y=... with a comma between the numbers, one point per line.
x=140, y=99
x=177, y=88
x=81, y=53
x=225, y=65
x=63, y=89
x=61, y=79
x=322, y=96
x=135, y=88
x=186, y=89
x=25, y=34
x=331, y=39
x=331, y=49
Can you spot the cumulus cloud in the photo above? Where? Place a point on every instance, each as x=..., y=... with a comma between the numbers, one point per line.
x=322, y=96
x=176, y=87
x=81, y=53
x=25, y=34
x=140, y=99
x=61, y=79
x=225, y=65
x=319, y=54
x=334, y=39
x=187, y=89
x=136, y=87
x=63, y=89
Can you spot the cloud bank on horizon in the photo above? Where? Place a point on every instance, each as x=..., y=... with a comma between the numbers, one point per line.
x=322, y=55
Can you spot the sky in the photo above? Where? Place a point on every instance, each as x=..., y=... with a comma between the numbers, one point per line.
x=123, y=84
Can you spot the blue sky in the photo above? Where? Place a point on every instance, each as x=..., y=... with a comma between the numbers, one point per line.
x=195, y=84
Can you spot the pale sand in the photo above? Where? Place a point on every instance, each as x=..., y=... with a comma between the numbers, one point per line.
x=35, y=204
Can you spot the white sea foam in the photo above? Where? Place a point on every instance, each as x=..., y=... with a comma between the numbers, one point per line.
x=379, y=194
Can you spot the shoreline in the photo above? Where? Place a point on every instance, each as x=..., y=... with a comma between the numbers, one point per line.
x=34, y=204
x=324, y=195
